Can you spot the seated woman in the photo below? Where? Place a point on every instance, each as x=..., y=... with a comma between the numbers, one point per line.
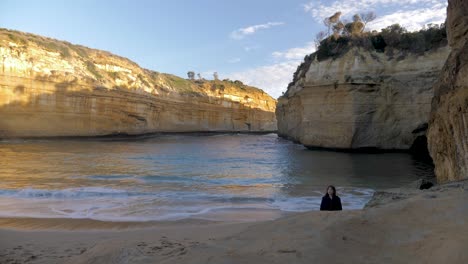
x=330, y=201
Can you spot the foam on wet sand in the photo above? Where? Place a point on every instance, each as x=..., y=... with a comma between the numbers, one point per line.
x=403, y=225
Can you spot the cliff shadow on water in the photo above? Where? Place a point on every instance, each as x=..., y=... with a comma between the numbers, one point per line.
x=419, y=150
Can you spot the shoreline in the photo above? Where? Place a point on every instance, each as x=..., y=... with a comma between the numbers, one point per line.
x=400, y=225
x=87, y=224
x=123, y=136
x=380, y=197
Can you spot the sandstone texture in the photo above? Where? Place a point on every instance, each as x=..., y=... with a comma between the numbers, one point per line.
x=448, y=128
x=361, y=100
x=51, y=88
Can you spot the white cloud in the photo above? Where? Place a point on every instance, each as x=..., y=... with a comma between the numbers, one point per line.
x=242, y=32
x=273, y=79
x=412, y=20
x=412, y=14
x=250, y=48
x=234, y=60
x=295, y=53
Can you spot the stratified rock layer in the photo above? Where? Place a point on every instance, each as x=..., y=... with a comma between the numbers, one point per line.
x=448, y=128
x=363, y=99
x=51, y=88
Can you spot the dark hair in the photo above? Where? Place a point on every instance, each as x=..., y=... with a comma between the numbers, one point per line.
x=333, y=188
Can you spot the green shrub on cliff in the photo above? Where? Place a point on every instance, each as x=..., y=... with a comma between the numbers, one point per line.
x=113, y=75
x=332, y=48
x=51, y=45
x=176, y=81
x=16, y=39
x=92, y=68
x=80, y=50
x=48, y=44
x=394, y=37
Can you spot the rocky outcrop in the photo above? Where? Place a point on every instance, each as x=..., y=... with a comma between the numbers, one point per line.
x=52, y=88
x=448, y=128
x=363, y=99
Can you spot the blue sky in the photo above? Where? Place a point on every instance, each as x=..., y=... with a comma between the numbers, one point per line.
x=259, y=42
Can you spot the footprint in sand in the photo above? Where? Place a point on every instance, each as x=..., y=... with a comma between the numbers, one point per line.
x=166, y=247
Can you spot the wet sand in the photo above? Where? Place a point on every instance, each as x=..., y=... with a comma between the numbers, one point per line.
x=403, y=225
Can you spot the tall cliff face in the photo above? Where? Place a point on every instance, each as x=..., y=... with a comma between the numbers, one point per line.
x=448, y=128
x=53, y=88
x=363, y=99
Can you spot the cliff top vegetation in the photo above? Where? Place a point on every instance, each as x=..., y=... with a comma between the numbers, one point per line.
x=90, y=58
x=342, y=35
x=394, y=41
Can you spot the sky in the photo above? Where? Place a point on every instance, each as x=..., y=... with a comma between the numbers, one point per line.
x=260, y=42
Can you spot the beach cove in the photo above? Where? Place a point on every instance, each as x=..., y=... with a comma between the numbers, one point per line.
x=106, y=161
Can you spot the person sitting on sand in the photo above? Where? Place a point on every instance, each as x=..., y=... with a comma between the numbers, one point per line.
x=330, y=201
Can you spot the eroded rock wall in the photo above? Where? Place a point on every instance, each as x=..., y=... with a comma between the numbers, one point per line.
x=448, y=128
x=50, y=88
x=363, y=99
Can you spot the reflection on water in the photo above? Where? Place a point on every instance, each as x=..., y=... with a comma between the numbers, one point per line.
x=177, y=176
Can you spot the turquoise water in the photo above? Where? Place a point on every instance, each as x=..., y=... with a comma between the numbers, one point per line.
x=169, y=177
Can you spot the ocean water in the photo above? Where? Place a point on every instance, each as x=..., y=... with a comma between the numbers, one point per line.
x=228, y=177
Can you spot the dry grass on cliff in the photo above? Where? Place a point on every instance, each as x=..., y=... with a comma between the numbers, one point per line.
x=91, y=57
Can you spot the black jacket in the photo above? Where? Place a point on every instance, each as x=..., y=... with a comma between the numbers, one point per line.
x=330, y=204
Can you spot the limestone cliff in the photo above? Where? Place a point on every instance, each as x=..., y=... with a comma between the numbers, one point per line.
x=362, y=99
x=448, y=128
x=54, y=88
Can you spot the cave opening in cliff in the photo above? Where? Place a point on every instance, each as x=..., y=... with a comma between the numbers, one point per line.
x=419, y=149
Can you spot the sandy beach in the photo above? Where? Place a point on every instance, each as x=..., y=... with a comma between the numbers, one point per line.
x=403, y=225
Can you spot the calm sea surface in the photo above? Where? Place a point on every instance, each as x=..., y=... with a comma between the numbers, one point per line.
x=170, y=177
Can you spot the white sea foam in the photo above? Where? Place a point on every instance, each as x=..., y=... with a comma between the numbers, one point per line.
x=109, y=204
x=70, y=193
